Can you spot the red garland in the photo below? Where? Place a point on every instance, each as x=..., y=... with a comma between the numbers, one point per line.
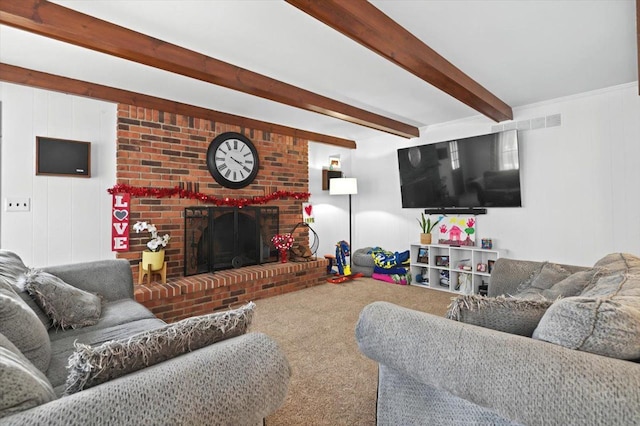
x=185, y=193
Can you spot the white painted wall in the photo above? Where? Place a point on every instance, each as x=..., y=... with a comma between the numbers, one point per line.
x=70, y=218
x=331, y=211
x=580, y=197
x=579, y=184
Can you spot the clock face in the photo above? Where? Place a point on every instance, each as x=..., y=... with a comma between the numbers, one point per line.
x=232, y=160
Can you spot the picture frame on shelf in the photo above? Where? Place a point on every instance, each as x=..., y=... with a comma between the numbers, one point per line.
x=490, y=265
x=482, y=267
x=423, y=255
x=442, y=261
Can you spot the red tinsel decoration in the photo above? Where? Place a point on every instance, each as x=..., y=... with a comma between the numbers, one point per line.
x=210, y=199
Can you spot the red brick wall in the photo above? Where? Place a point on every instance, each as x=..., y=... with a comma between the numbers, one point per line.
x=162, y=150
x=201, y=294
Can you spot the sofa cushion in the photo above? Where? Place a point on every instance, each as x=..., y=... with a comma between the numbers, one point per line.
x=22, y=327
x=604, y=319
x=620, y=262
x=67, y=306
x=113, y=313
x=508, y=314
x=90, y=366
x=22, y=385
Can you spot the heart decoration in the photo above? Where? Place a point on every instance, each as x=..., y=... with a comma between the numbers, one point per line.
x=120, y=214
x=308, y=209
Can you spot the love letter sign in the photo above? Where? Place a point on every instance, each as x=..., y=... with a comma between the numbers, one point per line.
x=120, y=222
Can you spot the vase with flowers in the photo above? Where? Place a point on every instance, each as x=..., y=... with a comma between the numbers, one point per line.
x=154, y=256
x=283, y=243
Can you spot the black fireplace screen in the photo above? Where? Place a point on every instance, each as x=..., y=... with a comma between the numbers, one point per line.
x=228, y=237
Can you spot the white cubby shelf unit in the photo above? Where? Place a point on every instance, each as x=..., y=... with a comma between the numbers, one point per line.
x=432, y=264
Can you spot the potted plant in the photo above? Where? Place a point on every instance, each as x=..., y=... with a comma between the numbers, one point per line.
x=427, y=226
x=154, y=256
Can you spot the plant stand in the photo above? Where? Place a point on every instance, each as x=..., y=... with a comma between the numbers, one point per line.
x=148, y=272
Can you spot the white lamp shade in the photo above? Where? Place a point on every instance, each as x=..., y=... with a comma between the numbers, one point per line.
x=343, y=186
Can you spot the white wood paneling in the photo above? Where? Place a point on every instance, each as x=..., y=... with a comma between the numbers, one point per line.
x=70, y=218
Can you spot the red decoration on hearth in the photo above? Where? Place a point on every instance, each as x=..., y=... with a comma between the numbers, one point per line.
x=136, y=191
x=283, y=243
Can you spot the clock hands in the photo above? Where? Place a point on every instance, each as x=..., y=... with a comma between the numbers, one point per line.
x=235, y=160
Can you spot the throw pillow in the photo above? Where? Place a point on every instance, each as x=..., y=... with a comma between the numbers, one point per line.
x=11, y=267
x=508, y=314
x=544, y=278
x=604, y=319
x=12, y=271
x=23, y=385
x=66, y=305
x=91, y=366
x=22, y=327
x=574, y=284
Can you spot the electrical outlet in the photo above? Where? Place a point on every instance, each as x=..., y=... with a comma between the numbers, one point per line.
x=17, y=204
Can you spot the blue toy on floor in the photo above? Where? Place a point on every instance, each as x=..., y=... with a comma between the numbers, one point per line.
x=342, y=251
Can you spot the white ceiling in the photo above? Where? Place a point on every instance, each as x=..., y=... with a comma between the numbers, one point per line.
x=524, y=51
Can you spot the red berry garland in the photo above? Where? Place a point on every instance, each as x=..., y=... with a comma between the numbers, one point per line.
x=134, y=191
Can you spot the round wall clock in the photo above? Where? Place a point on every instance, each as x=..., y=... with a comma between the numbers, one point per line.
x=232, y=160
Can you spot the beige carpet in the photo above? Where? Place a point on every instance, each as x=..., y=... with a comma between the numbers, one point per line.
x=332, y=383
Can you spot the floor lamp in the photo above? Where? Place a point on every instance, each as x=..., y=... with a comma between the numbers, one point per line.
x=345, y=186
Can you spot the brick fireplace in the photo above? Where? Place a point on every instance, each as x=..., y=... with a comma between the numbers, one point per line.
x=163, y=150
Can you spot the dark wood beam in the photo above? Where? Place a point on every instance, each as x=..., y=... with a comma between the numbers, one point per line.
x=64, y=24
x=367, y=25
x=27, y=77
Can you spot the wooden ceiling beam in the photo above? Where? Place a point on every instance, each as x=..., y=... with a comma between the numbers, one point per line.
x=41, y=80
x=67, y=25
x=364, y=23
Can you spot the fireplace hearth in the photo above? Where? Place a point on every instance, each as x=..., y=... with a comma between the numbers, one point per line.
x=218, y=238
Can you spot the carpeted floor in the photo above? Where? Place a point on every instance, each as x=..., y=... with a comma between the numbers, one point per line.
x=332, y=382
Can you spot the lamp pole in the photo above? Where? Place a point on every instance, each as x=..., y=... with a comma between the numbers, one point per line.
x=350, y=241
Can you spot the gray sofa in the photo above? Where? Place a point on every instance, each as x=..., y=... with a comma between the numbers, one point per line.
x=239, y=380
x=436, y=371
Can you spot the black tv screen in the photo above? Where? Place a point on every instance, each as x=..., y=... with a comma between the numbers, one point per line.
x=480, y=171
x=61, y=157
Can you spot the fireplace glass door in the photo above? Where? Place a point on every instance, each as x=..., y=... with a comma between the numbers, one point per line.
x=219, y=238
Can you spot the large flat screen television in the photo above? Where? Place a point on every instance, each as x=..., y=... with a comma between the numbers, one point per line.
x=480, y=171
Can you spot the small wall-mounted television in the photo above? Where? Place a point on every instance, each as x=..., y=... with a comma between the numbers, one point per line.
x=479, y=171
x=61, y=157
